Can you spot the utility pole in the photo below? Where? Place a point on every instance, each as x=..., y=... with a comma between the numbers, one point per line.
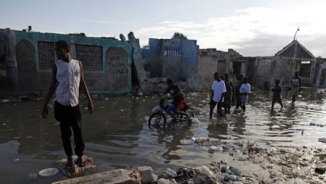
x=294, y=55
x=296, y=33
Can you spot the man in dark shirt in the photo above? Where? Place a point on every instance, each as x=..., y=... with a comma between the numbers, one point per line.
x=277, y=94
x=229, y=95
x=237, y=91
x=178, y=102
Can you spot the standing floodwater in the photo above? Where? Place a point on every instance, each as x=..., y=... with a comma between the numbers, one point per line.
x=117, y=136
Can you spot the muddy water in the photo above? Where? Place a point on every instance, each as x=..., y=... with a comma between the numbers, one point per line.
x=117, y=136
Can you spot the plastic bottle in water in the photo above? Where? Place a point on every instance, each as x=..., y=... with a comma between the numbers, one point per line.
x=211, y=149
x=201, y=139
x=155, y=177
x=235, y=171
x=171, y=172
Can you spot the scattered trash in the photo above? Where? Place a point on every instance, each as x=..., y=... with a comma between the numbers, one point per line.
x=212, y=149
x=195, y=121
x=233, y=177
x=213, y=140
x=171, y=172
x=155, y=108
x=48, y=172
x=235, y=171
x=31, y=176
x=201, y=139
x=323, y=140
x=5, y=100
x=155, y=177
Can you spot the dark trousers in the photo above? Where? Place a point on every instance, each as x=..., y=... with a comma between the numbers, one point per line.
x=238, y=102
x=70, y=119
x=227, y=103
x=212, y=105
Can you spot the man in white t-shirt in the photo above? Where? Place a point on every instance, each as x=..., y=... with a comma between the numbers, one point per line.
x=218, y=89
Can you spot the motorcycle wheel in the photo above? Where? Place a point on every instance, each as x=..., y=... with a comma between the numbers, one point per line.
x=157, y=121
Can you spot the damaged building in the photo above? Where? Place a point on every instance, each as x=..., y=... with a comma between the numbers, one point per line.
x=293, y=57
x=113, y=66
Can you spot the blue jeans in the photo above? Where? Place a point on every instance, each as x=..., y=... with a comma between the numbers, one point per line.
x=169, y=108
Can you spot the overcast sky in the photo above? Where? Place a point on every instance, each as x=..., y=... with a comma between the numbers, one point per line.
x=251, y=27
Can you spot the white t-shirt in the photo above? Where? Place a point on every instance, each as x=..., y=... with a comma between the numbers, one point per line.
x=295, y=82
x=68, y=77
x=218, y=88
x=245, y=88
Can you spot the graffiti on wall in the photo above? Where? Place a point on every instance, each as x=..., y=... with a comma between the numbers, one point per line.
x=117, y=67
x=91, y=57
x=46, y=54
x=172, y=51
x=117, y=62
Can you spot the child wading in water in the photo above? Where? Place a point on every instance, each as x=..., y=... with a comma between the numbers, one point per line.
x=245, y=89
x=277, y=94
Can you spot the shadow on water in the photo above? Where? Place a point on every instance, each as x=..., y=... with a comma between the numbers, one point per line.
x=117, y=136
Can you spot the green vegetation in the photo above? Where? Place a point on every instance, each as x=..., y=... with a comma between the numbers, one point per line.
x=179, y=36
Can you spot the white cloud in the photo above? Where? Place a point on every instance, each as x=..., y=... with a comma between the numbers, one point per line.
x=261, y=24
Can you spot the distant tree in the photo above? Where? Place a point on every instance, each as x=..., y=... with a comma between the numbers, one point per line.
x=179, y=36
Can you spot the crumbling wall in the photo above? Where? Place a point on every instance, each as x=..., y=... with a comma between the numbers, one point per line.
x=176, y=58
x=106, y=61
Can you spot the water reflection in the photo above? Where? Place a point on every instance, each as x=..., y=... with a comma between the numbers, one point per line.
x=117, y=136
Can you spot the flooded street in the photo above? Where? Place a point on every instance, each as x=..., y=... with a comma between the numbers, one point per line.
x=117, y=136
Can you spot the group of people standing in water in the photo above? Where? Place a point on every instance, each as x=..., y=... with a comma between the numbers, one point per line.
x=224, y=93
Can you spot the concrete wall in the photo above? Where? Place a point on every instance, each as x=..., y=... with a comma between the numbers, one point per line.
x=106, y=62
x=268, y=69
x=8, y=64
x=321, y=73
x=208, y=65
x=175, y=58
x=212, y=60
